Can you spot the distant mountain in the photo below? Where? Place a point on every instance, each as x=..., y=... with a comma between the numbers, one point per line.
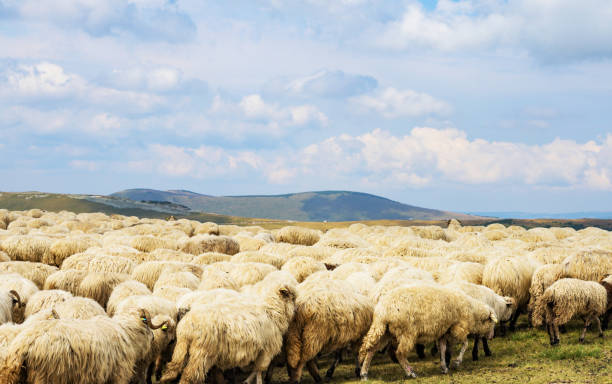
x=306, y=206
x=533, y=215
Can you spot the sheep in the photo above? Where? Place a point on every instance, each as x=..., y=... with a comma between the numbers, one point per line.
x=148, y=272
x=63, y=248
x=23, y=287
x=510, y=277
x=297, y=235
x=154, y=305
x=120, y=343
x=207, y=228
x=124, y=290
x=27, y=248
x=431, y=232
x=420, y=314
x=36, y=272
x=210, y=258
x=567, y=298
x=228, y=342
x=591, y=265
x=79, y=308
x=45, y=299
x=99, y=286
x=185, y=303
x=214, y=278
x=8, y=301
x=205, y=243
x=503, y=307
x=8, y=331
x=99, y=263
x=397, y=277
x=543, y=277
x=607, y=284
x=248, y=273
x=259, y=257
x=172, y=255
x=330, y=316
x=470, y=272
x=302, y=266
x=177, y=279
x=66, y=280
x=248, y=243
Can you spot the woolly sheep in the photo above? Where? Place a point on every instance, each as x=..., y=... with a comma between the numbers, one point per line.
x=302, y=266
x=172, y=255
x=153, y=304
x=24, y=289
x=567, y=298
x=9, y=300
x=207, y=228
x=249, y=273
x=419, y=314
x=318, y=253
x=205, y=243
x=329, y=317
x=148, y=272
x=46, y=299
x=171, y=293
x=470, y=272
x=124, y=290
x=510, y=277
x=297, y=235
x=259, y=257
x=185, y=303
x=79, y=308
x=66, y=280
x=248, y=243
x=99, y=286
x=99, y=263
x=543, y=277
x=118, y=346
x=215, y=278
x=210, y=258
x=27, y=248
x=36, y=272
x=62, y=248
x=177, y=279
x=229, y=343
x=590, y=265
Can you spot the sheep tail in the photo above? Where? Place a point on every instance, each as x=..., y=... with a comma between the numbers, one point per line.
x=179, y=359
x=294, y=344
x=541, y=309
x=372, y=338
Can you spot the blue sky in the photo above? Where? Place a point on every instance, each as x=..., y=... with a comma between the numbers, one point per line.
x=469, y=105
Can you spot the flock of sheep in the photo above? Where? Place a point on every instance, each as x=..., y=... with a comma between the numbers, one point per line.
x=92, y=298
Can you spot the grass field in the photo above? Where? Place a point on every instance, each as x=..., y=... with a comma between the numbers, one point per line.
x=524, y=356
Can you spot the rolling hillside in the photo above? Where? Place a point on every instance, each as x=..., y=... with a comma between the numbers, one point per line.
x=307, y=206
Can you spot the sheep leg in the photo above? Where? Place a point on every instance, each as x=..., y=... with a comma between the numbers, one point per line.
x=269, y=373
x=442, y=348
x=391, y=354
x=195, y=371
x=357, y=366
x=337, y=360
x=314, y=371
x=551, y=333
x=459, y=359
x=606, y=319
x=513, y=319
x=475, y=348
x=587, y=324
x=485, y=346
x=150, y=370
x=296, y=373
x=218, y=375
x=502, y=328
x=434, y=350
x=420, y=350
x=598, y=322
x=405, y=346
x=369, y=355
x=556, y=331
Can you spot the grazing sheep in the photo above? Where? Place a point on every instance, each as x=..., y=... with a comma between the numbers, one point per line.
x=510, y=277
x=470, y=272
x=215, y=278
x=124, y=290
x=259, y=257
x=36, y=272
x=99, y=263
x=418, y=314
x=302, y=266
x=567, y=298
x=177, y=279
x=247, y=273
x=24, y=289
x=543, y=277
x=109, y=357
x=153, y=304
x=147, y=243
x=503, y=307
x=99, y=286
x=46, y=299
x=79, y=308
x=297, y=235
x=210, y=258
x=66, y=280
x=27, y=248
x=248, y=243
x=65, y=247
x=205, y=243
x=148, y=272
x=207, y=228
x=330, y=316
x=171, y=293
x=590, y=265
x=9, y=331
x=195, y=298
x=397, y=277
x=212, y=335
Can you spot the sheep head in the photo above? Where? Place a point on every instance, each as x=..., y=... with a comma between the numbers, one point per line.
x=16, y=299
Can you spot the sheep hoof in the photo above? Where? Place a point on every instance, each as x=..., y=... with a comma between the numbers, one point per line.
x=456, y=364
x=364, y=377
x=444, y=371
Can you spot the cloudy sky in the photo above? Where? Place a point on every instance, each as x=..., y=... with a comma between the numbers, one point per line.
x=470, y=105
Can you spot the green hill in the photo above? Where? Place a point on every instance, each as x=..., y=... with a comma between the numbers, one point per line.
x=307, y=206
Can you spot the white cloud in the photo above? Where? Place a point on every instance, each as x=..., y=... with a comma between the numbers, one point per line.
x=327, y=83
x=550, y=30
x=392, y=103
x=254, y=108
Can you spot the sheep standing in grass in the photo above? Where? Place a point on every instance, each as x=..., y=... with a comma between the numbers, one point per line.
x=543, y=277
x=97, y=351
x=233, y=334
x=567, y=298
x=418, y=314
x=330, y=316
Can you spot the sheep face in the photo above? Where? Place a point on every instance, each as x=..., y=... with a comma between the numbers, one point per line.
x=506, y=314
x=485, y=324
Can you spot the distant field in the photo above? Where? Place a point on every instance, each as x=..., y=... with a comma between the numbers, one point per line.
x=521, y=357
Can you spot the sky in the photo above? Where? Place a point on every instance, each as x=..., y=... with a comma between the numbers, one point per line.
x=469, y=105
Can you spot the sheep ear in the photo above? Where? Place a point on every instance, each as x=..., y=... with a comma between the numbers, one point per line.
x=493, y=317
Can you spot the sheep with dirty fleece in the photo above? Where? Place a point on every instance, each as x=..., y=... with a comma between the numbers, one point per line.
x=229, y=335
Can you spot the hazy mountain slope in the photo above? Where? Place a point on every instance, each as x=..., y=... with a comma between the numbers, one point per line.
x=307, y=206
